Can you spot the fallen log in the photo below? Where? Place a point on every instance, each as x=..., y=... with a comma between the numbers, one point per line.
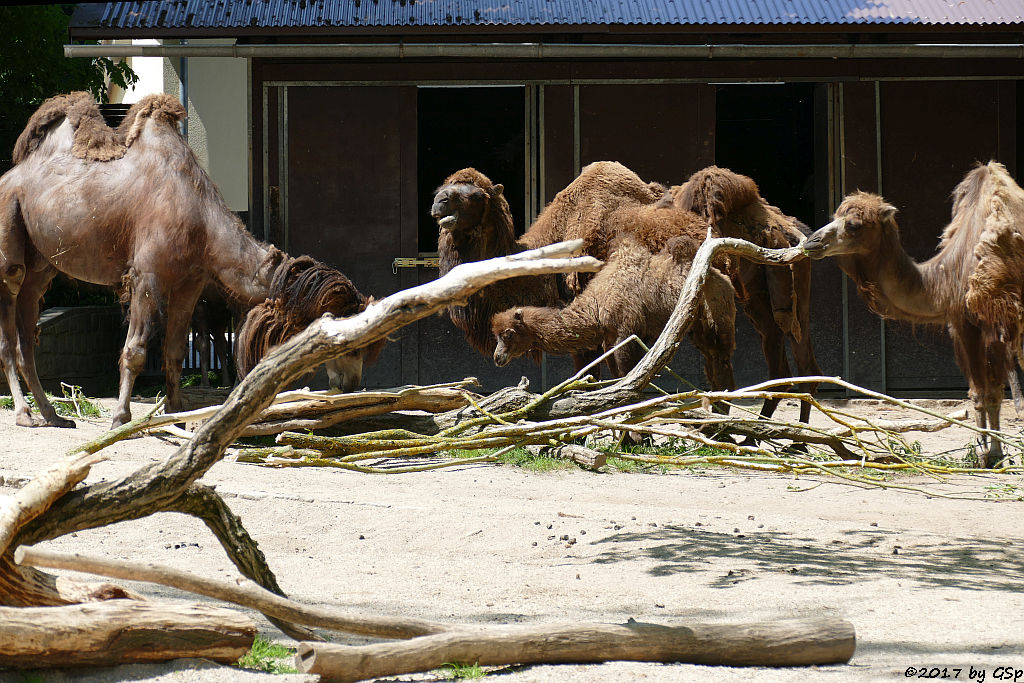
x=121, y=632
x=783, y=643
x=242, y=592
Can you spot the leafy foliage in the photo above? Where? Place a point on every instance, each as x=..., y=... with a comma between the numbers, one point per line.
x=33, y=67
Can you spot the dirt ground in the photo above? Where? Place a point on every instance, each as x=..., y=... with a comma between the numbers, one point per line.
x=932, y=585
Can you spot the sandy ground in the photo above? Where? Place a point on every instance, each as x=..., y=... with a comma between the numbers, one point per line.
x=927, y=581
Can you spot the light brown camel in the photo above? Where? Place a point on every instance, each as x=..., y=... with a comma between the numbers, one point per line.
x=475, y=224
x=973, y=285
x=129, y=208
x=301, y=291
x=776, y=299
x=635, y=293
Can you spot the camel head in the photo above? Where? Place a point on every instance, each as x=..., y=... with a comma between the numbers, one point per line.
x=513, y=337
x=858, y=227
x=465, y=200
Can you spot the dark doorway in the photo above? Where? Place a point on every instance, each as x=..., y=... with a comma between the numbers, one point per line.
x=768, y=133
x=777, y=135
x=482, y=127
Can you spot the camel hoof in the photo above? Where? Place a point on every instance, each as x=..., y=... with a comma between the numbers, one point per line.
x=62, y=422
x=27, y=419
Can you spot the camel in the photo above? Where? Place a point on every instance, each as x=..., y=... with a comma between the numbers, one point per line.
x=635, y=293
x=300, y=292
x=129, y=208
x=475, y=224
x=776, y=299
x=973, y=284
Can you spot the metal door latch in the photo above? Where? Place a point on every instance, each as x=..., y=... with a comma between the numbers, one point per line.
x=405, y=262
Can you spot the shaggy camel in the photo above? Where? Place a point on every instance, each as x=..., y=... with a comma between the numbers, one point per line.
x=776, y=299
x=973, y=284
x=635, y=293
x=129, y=208
x=475, y=224
x=301, y=291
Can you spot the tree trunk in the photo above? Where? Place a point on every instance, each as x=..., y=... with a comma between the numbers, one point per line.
x=795, y=643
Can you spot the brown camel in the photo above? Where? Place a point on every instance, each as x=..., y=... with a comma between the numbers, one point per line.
x=973, y=285
x=301, y=291
x=635, y=293
x=776, y=299
x=129, y=208
x=475, y=224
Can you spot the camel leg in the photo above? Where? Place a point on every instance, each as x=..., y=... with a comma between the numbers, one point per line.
x=8, y=355
x=38, y=278
x=201, y=340
x=717, y=350
x=803, y=349
x=222, y=350
x=181, y=302
x=141, y=324
x=759, y=310
x=986, y=366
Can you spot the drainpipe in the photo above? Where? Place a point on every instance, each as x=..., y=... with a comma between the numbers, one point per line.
x=183, y=89
x=559, y=51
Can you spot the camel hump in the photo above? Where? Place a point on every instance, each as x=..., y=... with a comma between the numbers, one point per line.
x=715, y=192
x=159, y=107
x=93, y=138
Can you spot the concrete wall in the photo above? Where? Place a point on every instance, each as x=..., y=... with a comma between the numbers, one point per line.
x=218, y=119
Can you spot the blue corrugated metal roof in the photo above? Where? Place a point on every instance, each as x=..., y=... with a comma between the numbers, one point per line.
x=319, y=14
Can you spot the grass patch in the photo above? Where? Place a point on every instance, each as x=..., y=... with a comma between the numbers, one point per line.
x=72, y=404
x=456, y=671
x=269, y=657
x=518, y=457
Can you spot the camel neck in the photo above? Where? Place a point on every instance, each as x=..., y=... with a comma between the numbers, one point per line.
x=240, y=263
x=893, y=285
x=565, y=330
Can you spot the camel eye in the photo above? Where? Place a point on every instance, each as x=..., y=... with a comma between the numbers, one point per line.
x=853, y=226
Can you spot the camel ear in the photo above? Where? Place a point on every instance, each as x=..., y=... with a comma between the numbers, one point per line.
x=518, y=315
x=889, y=211
x=497, y=189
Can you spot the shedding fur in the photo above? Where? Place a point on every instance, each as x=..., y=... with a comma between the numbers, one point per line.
x=93, y=138
x=581, y=211
x=973, y=284
x=635, y=293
